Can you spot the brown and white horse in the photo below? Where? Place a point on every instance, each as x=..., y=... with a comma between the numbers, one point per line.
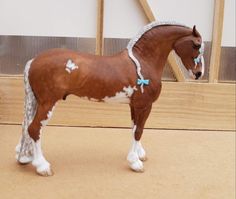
x=132, y=76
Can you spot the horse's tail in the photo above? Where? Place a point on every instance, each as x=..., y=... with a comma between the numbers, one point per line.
x=24, y=149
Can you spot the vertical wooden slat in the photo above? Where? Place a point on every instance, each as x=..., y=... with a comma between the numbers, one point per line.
x=147, y=10
x=179, y=75
x=99, y=36
x=216, y=41
x=171, y=60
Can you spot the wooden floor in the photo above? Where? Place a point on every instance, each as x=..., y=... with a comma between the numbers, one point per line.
x=91, y=163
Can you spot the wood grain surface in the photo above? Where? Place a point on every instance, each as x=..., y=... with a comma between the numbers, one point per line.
x=180, y=106
x=99, y=35
x=216, y=40
x=91, y=163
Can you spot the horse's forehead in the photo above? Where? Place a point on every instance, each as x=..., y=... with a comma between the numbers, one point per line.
x=196, y=40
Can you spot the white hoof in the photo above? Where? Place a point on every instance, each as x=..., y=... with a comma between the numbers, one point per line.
x=45, y=172
x=42, y=167
x=137, y=166
x=134, y=162
x=141, y=154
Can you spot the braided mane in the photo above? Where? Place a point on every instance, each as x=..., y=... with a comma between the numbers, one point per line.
x=135, y=39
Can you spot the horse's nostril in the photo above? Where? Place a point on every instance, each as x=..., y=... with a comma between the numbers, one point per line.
x=198, y=74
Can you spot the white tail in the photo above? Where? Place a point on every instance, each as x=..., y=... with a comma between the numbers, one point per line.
x=24, y=150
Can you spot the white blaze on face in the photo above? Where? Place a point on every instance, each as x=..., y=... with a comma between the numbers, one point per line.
x=70, y=66
x=203, y=66
x=122, y=96
x=200, y=57
x=197, y=60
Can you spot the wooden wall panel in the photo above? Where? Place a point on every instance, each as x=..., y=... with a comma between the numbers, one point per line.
x=181, y=106
x=99, y=35
x=216, y=40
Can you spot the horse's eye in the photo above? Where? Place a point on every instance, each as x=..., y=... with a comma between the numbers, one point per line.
x=196, y=46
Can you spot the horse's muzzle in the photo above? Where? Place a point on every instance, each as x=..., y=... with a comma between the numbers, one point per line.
x=198, y=75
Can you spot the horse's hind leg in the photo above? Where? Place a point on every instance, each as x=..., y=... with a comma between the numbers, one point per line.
x=137, y=153
x=43, y=114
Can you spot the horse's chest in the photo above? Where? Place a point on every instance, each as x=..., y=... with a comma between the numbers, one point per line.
x=157, y=91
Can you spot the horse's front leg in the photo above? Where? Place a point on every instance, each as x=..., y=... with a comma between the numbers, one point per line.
x=137, y=154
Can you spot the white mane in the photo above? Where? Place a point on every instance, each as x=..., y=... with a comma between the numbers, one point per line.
x=133, y=41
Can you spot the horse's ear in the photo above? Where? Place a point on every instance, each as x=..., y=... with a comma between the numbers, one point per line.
x=195, y=33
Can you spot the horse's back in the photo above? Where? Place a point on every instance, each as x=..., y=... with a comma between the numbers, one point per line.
x=53, y=56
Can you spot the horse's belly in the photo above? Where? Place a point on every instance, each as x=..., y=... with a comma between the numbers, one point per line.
x=122, y=96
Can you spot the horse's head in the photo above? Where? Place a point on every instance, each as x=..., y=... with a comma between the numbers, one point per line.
x=190, y=49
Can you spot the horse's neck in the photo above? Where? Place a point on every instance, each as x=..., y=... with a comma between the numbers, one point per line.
x=155, y=45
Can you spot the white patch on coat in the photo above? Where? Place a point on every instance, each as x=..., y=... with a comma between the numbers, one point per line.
x=90, y=99
x=132, y=124
x=70, y=66
x=93, y=100
x=41, y=164
x=84, y=98
x=122, y=96
x=49, y=115
x=134, y=129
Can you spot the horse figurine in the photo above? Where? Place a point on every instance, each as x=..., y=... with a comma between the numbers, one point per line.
x=132, y=76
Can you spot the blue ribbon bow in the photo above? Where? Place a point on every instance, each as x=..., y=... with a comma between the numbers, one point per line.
x=197, y=60
x=143, y=81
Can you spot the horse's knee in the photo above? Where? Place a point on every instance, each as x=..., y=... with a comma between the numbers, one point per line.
x=34, y=132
